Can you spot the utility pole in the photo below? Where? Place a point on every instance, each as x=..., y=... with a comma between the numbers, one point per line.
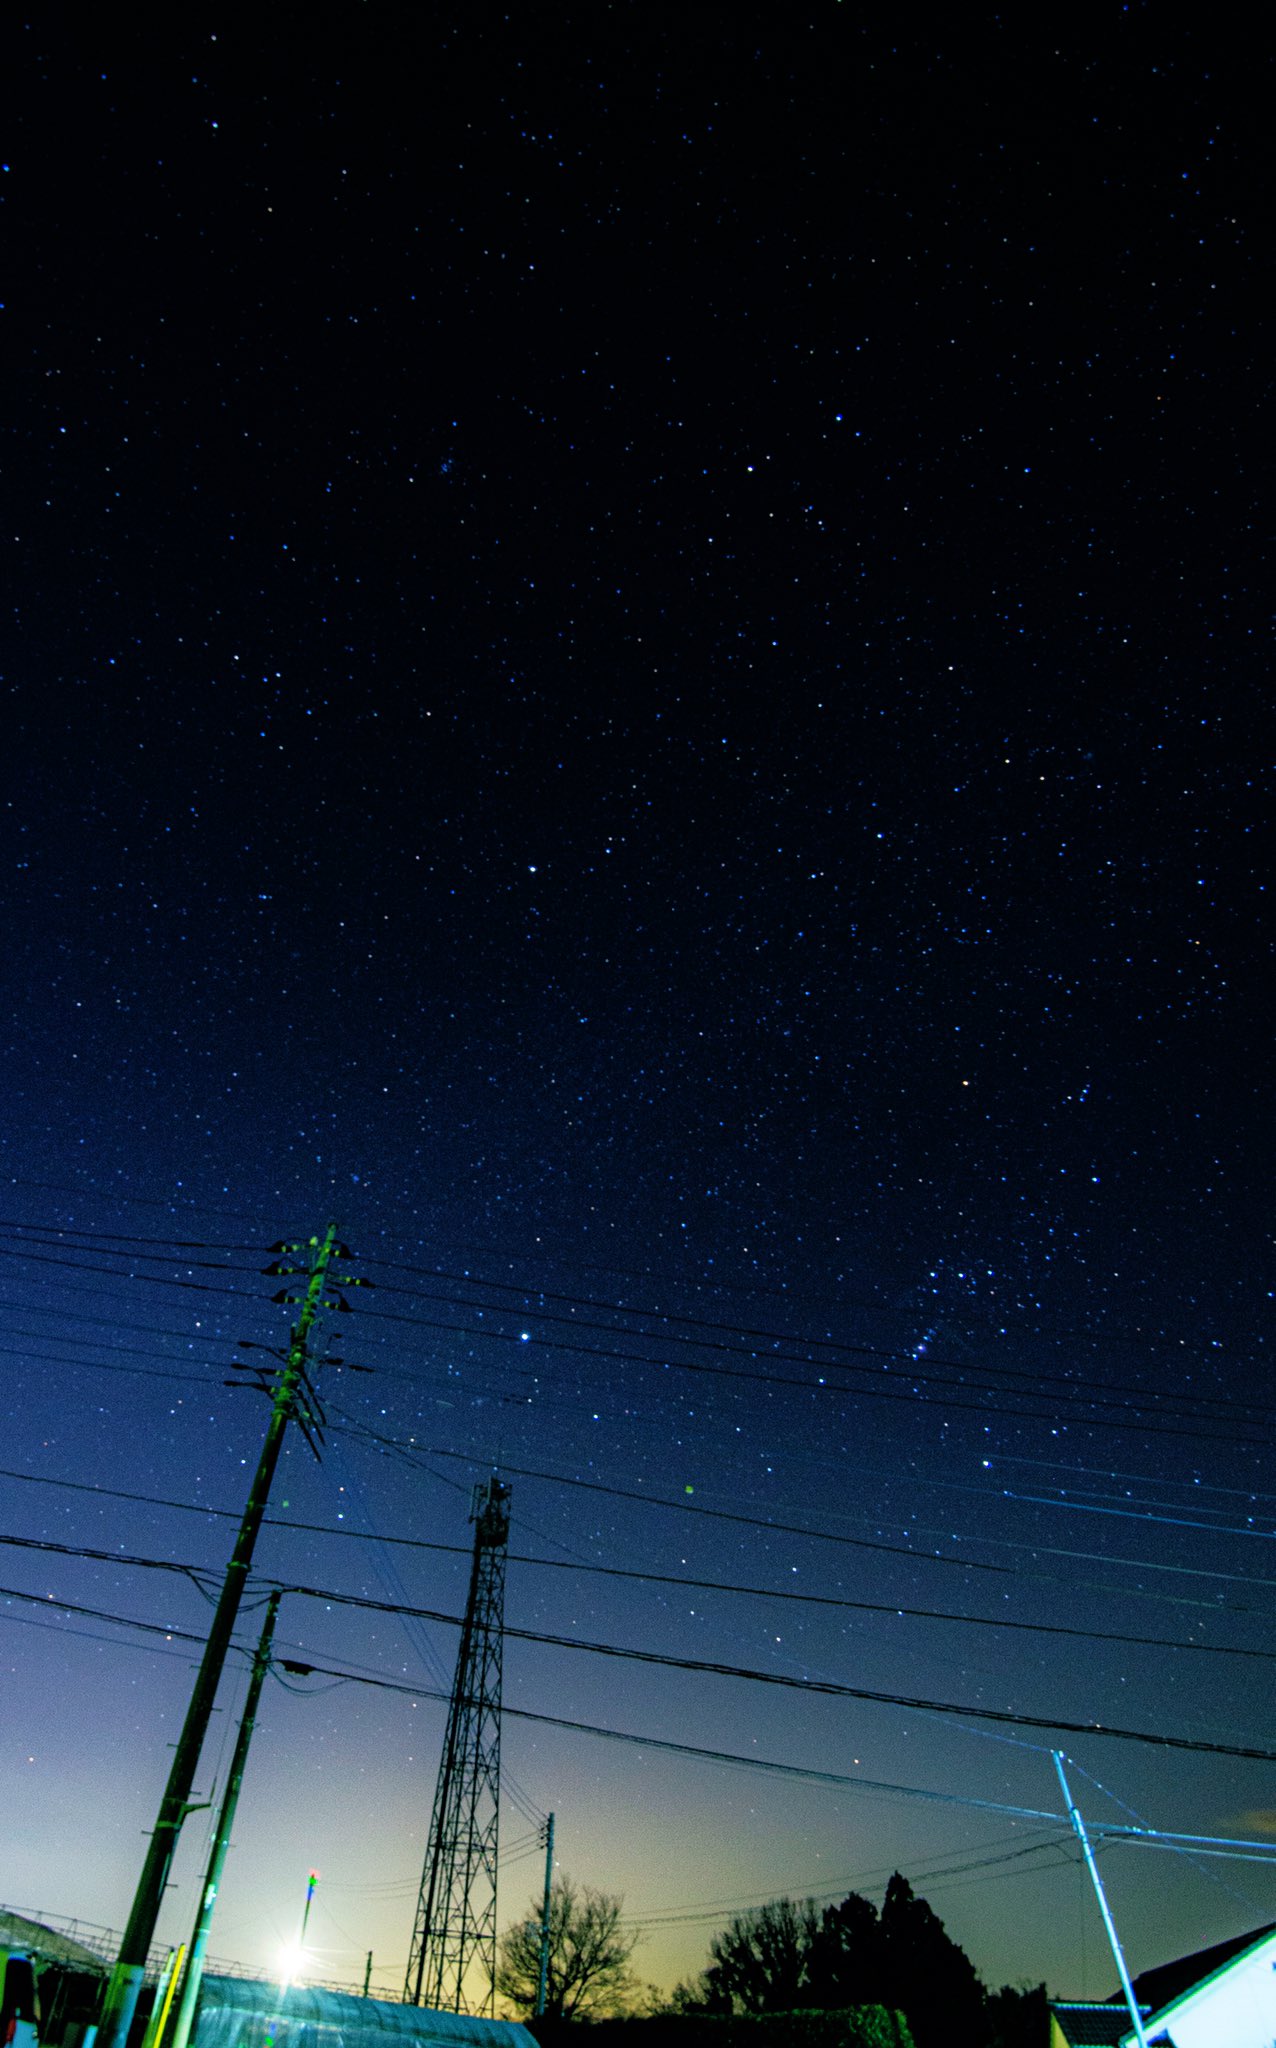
x=164, y=1990
x=1108, y=1922
x=292, y=1382
x=221, y=1840
x=543, y=1977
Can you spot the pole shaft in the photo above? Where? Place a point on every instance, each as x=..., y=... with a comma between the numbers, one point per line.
x=221, y=1840
x=159, y=2011
x=1108, y=1922
x=549, y=1882
x=126, y=1978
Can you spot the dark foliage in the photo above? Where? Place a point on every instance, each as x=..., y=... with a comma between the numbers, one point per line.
x=864, y=2027
x=787, y=1956
x=1017, y=2018
x=927, y=1974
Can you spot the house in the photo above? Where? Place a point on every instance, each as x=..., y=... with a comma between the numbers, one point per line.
x=243, y=2012
x=1076, y=2023
x=1220, y=1995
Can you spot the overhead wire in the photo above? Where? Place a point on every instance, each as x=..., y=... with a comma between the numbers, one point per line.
x=1193, y=1485
x=831, y=1536
x=927, y=1368
x=1070, y=1390
x=1251, y=1850
x=713, y=1909
x=1138, y=1414
x=698, y=1283
x=611, y=1571
x=1134, y=1511
x=824, y=1687
x=809, y=1774
x=526, y=1290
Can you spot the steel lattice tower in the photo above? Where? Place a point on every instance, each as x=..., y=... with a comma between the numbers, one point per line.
x=456, y=1911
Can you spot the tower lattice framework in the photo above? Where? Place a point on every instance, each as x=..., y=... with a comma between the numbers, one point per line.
x=454, y=1938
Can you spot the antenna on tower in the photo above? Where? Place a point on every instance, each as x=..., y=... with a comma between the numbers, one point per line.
x=456, y=1911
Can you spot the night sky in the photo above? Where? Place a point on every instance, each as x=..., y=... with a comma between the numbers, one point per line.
x=637, y=663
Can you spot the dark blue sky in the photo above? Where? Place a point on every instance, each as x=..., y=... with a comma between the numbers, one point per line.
x=637, y=661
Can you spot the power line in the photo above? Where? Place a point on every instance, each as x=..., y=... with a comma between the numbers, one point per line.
x=830, y=1536
x=698, y=1283
x=1138, y=1413
x=53, y=1233
x=1072, y=1390
x=151, y=1628
x=696, y=1585
x=824, y=1686
x=893, y=1608
x=811, y=1775
x=170, y=1255
x=195, y=1573
x=1212, y=1608
x=840, y=1306
x=713, y=1910
x=755, y=1335
x=144, y=1372
x=113, y=1273
x=1266, y=1851
x=419, y=1692
x=68, y=1315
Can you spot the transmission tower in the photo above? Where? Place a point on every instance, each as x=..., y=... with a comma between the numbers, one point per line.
x=456, y=1911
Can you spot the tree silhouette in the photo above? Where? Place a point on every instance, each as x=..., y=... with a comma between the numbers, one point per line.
x=588, y=1972
x=927, y=1974
x=786, y=1956
x=760, y=1961
x=845, y=1963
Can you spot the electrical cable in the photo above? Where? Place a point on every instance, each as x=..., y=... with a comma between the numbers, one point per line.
x=837, y=1345
x=840, y=1307
x=1147, y=1403
x=698, y=1283
x=152, y=1628
x=67, y=1315
x=810, y=1775
x=825, y=1687
x=830, y=1536
x=1263, y=1851
x=145, y=1372
x=1137, y=1422
x=714, y=1910
x=712, y=1585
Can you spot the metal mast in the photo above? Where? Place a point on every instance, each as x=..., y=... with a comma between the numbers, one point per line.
x=455, y=1933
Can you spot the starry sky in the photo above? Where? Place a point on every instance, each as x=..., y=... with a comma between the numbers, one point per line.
x=636, y=663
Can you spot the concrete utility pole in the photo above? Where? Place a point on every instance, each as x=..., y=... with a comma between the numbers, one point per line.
x=542, y=1979
x=221, y=1840
x=1109, y=1923
x=126, y=1978
x=164, y=1990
